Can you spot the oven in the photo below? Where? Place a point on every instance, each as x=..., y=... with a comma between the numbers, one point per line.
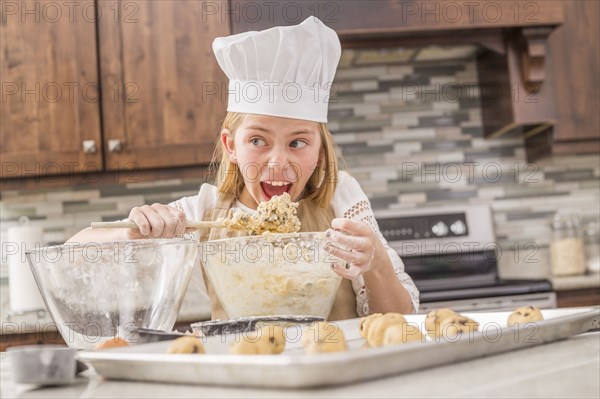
x=451, y=254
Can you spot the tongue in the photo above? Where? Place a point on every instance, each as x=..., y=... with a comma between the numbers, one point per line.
x=271, y=190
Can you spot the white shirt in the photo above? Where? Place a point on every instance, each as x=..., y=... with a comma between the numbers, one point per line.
x=349, y=201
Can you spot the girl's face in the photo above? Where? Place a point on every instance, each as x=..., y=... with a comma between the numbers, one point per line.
x=275, y=155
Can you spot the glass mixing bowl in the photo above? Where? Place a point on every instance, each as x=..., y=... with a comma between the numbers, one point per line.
x=97, y=291
x=272, y=274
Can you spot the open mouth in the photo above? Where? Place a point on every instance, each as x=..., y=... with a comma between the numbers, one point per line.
x=273, y=188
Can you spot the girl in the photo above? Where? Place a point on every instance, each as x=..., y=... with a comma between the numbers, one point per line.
x=273, y=142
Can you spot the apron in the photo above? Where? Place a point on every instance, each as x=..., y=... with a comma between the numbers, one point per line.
x=344, y=306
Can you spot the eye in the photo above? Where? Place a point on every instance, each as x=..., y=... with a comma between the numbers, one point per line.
x=298, y=144
x=258, y=141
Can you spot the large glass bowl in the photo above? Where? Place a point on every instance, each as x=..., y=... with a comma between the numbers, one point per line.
x=98, y=291
x=272, y=274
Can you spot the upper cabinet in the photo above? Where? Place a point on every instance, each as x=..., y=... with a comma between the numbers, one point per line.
x=50, y=111
x=169, y=107
x=575, y=68
x=544, y=84
x=118, y=85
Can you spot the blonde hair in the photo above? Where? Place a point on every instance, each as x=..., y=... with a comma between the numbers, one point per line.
x=319, y=188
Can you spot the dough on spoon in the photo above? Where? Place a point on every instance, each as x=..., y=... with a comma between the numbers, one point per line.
x=278, y=215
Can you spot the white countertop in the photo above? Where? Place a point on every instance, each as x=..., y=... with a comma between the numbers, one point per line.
x=568, y=368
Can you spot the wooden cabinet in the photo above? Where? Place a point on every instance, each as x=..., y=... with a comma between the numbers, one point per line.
x=581, y=297
x=558, y=112
x=50, y=96
x=148, y=92
x=162, y=60
x=517, y=96
x=574, y=65
x=33, y=338
x=394, y=18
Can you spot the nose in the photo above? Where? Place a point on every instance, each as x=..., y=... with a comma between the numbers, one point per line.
x=277, y=160
x=280, y=165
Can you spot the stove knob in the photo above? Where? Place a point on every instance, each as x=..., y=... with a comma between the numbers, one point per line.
x=458, y=227
x=439, y=229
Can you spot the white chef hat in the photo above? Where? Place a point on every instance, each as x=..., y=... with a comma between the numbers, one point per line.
x=282, y=71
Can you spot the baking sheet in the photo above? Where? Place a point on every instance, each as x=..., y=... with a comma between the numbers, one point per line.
x=294, y=369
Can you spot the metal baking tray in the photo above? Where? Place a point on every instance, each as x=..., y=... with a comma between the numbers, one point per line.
x=294, y=369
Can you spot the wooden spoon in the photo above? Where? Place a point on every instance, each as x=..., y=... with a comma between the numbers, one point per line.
x=190, y=224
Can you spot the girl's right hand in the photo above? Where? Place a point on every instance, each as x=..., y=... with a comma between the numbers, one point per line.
x=157, y=220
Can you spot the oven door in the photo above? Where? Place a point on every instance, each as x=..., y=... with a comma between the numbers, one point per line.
x=468, y=281
x=452, y=271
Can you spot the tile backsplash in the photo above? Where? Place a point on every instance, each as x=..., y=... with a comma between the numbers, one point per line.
x=408, y=124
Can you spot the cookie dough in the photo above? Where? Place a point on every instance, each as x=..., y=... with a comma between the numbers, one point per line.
x=401, y=334
x=323, y=337
x=115, y=342
x=457, y=325
x=278, y=215
x=188, y=345
x=434, y=319
x=447, y=323
x=376, y=329
x=525, y=314
x=275, y=335
x=268, y=340
x=365, y=322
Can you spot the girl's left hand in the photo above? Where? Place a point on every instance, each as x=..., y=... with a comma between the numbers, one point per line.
x=355, y=243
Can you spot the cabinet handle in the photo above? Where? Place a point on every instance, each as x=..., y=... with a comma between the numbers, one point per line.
x=89, y=146
x=114, y=145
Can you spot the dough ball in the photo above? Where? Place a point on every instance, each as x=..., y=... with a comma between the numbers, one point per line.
x=275, y=335
x=186, y=345
x=401, y=334
x=457, y=325
x=525, y=314
x=115, y=342
x=268, y=340
x=365, y=322
x=434, y=319
x=251, y=344
x=379, y=325
x=323, y=337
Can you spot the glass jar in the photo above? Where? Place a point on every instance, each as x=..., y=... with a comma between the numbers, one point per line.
x=567, y=253
x=592, y=247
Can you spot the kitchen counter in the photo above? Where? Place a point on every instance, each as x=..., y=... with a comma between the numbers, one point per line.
x=42, y=323
x=29, y=322
x=568, y=368
x=193, y=309
x=584, y=281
